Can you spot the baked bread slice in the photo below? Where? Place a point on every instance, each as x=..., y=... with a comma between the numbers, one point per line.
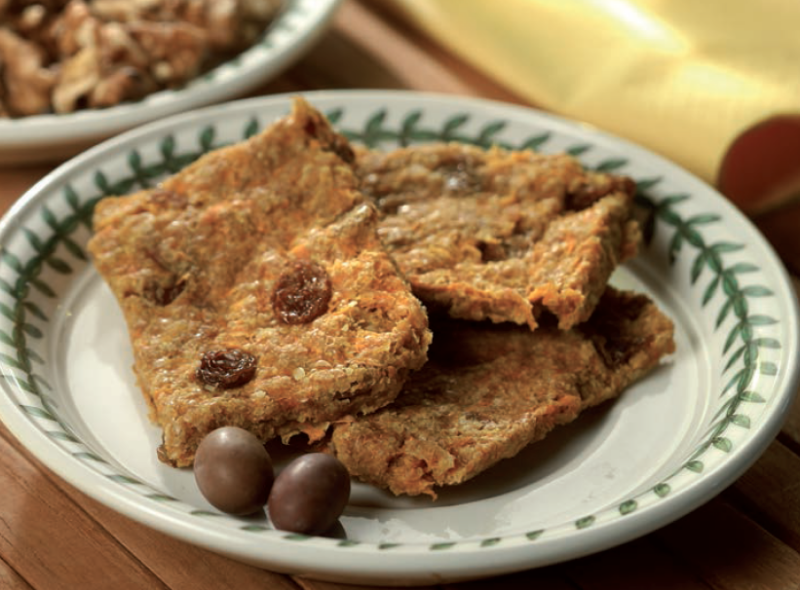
x=489, y=390
x=256, y=291
x=501, y=235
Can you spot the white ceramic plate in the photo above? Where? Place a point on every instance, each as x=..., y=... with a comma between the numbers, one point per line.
x=667, y=445
x=47, y=137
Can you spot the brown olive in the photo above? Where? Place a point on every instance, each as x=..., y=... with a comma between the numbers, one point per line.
x=233, y=470
x=309, y=494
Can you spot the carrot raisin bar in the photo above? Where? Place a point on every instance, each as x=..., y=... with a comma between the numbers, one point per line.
x=256, y=291
x=501, y=235
x=489, y=390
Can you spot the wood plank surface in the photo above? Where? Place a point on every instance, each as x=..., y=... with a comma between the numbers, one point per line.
x=639, y=564
x=11, y=580
x=54, y=537
x=46, y=537
x=730, y=550
x=770, y=493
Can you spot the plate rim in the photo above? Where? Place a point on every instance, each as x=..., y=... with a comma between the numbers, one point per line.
x=415, y=566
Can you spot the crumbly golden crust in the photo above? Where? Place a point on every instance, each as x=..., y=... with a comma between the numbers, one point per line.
x=489, y=390
x=196, y=265
x=501, y=235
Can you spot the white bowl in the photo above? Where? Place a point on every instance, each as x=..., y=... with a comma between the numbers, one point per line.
x=55, y=136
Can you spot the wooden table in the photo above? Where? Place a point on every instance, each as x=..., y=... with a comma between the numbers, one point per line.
x=54, y=537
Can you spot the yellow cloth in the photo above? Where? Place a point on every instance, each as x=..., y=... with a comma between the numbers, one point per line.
x=681, y=77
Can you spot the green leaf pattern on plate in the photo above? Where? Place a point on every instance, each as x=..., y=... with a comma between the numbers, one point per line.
x=719, y=284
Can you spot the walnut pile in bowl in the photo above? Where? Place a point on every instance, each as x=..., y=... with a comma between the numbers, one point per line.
x=60, y=56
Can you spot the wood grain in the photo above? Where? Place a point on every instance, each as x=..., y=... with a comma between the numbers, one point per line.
x=177, y=564
x=10, y=579
x=729, y=550
x=15, y=182
x=546, y=578
x=46, y=537
x=308, y=584
x=770, y=493
x=640, y=564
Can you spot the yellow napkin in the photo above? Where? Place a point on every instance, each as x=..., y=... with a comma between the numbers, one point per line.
x=681, y=77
